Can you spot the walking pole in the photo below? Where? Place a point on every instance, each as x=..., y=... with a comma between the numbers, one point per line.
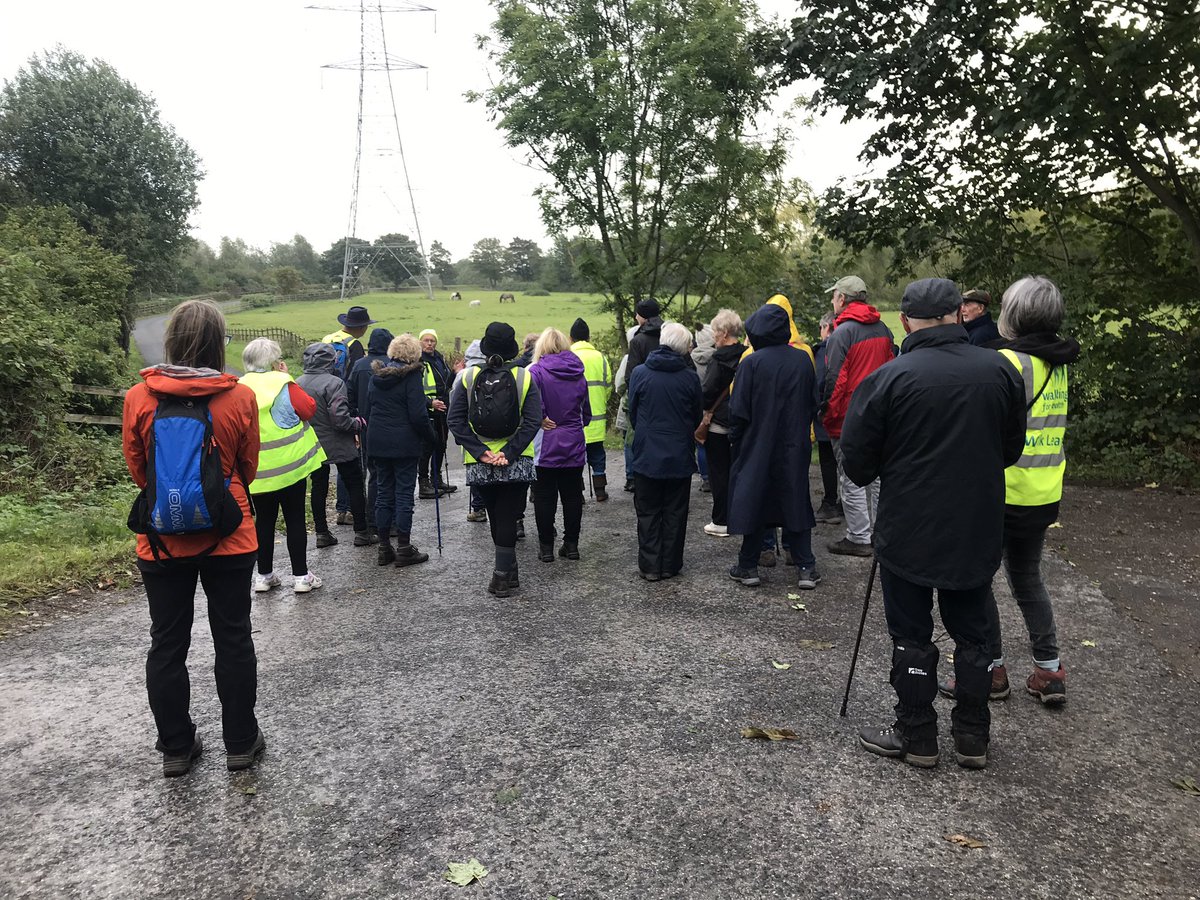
x=857, y=641
x=436, y=472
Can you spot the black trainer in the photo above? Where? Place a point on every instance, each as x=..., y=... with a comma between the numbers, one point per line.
x=889, y=742
x=546, y=552
x=236, y=762
x=970, y=750
x=748, y=577
x=325, y=539
x=176, y=764
x=569, y=550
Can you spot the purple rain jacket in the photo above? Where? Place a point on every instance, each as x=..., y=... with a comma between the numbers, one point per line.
x=560, y=379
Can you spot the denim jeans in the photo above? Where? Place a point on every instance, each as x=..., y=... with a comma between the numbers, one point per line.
x=595, y=457
x=702, y=462
x=798, y=542
x=858, y=503
x=394, y=499
x=1023, y=569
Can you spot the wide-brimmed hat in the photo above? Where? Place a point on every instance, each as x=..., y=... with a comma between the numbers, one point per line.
x=355, y=317
x=499, y=340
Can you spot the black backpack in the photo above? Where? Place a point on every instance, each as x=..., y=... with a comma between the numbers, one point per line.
x=186, y=489
x=494, y=401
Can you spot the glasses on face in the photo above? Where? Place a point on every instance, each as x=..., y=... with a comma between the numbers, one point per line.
x=228, y=339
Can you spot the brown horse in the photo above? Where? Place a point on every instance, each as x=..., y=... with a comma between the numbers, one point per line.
x=507, y=297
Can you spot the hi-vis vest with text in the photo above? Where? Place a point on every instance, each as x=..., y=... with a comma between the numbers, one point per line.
x=522, y=379
x=599, y=385
x=1037, y=478
x=285, y=455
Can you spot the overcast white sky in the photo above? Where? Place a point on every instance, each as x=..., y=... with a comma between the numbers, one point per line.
x=243, y=83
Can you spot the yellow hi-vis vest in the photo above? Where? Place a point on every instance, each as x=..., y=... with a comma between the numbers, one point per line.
x=285, y=455
x=428, y=381
x=1037, y=477
x=496, y=445
x=599, y=385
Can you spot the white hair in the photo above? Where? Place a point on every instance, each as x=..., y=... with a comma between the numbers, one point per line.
x=260, y=355
x=676, y=337
x=727, y=322
x=1031, y=305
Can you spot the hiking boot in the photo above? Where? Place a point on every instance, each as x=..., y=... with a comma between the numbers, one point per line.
x=448, y=488
x=264, y=583
x=808, y=578
x=408, y=555
x=514, y=577
x=477, y=515
x=847, y=547
x=766, y=559
x=365, y=538
x=970, y=750
x=830, y=514
x=716, y=530
x=889, y=742
x=705, y=487
x=600, y=486
x=629, y=485
x=999, y=691
x=748, y=577
x=325, y=539
x=520, y=529
x=1049, y=687
x=386, y=555
x=176, y=764
x=649, y=576
x=569, y=550
x=426, y=491
x=344, y=517
x=305, y=583
x=236, y=762
x=545, y=552
x=500, y=585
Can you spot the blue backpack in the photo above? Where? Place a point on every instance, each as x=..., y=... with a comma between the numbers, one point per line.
x=341, y=356
x=186, y=489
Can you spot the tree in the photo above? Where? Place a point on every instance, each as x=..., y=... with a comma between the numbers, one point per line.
x=642, y=113
x=333, y=260
x=76, y=133
x=523, y=259
x=1004, y=106
x=488, y=258
x=297, y=253
x=399, y=259
x=441, y=263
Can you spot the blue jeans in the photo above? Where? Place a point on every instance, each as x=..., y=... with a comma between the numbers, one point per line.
x=702, y=461
x=596, y=457
x=394, y=498
x=343, y=496
x=799, y=542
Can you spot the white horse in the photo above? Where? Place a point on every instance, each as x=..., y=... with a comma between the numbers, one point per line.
x=473, y=303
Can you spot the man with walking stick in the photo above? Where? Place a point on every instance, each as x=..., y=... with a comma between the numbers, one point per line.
x=937, y=426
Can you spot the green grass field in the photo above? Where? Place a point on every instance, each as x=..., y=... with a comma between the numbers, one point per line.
x=449, y=318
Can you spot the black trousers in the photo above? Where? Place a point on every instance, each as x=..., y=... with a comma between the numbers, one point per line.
x=504, y=503
x=289, y=501
x=551, y=485
x=829, y=476
x=171, y=592
x=433, y=454
x=909, y=611
x=662, y=514
x=351, y=475
x=720, y=462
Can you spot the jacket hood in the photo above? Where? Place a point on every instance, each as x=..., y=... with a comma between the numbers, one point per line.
x=652, y=326
x=768, y=326
x=565, y=366
x=474, y=356
x=786, y=305
x=381, y=338
x=386, y=375
x=664, y=359
x=858, y=311
x=184, y=381
x=704, y=349
x=729, y=356
x=1058, y=351
x=319, y=358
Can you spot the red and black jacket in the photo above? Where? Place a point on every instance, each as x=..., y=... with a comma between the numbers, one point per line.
x=859, y=345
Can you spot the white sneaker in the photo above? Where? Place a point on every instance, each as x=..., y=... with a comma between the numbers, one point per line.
x=716, y=530
x=263, y=583
x=306, y=583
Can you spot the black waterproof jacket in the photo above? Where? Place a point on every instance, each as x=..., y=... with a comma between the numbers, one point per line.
x=360, y=372
x=773, y=403
x=982, y=330
x=664, y=410
x=937, y=426
x=718, y=377
x=643, y=344
x=399, y=420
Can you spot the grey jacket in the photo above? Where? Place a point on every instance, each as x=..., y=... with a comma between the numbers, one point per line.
x=703, y=352
x=333, y=423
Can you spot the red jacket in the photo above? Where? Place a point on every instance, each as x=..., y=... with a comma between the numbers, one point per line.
x=859, y=345
x=235, y=432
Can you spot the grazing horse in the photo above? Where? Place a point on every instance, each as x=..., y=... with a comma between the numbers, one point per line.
x=456, y=296
x=506, y=297
x=473, y=303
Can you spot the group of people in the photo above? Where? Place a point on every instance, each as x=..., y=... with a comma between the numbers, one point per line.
x=943, y=457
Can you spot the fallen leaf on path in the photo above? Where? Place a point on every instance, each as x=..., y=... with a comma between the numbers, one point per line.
x=1151, y=484
x=359, y=591
x=777, y=664
x=249, y=790
x=964, y=841
x=771, y=734
x=807, y=644
x=1056, y=525
x=508, y=795
x=463, y=874
x=1088, y=643
x=105, y=584
x=793, y=596
x=1187, y=785
x=799, y=606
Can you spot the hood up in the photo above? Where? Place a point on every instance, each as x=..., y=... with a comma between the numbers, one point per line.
x=565, y=366
x=664, y=359
x=474, y=356
x=380, y=340
x=786, y=305
x=319, y=358
x=1058, y=351
x=705, y=347
x=184, y=381
x=859, y=311
x=768, y=326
